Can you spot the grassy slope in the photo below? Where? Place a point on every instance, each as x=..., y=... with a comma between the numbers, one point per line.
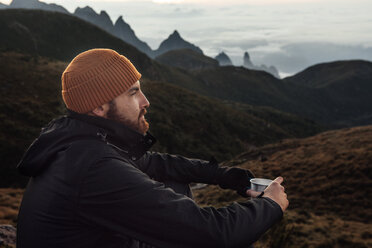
x=329, y=185
x=30, y=95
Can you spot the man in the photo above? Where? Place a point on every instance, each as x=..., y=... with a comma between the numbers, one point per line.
x=95, y=184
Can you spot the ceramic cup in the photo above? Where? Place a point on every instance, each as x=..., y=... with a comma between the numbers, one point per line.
x=259, y=184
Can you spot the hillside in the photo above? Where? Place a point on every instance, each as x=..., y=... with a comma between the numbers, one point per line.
x=61, y=36
x=326, y=74
x=187, y=59
x=184, y=122
x=347, y=86
x=345, y=102
x=328, y=180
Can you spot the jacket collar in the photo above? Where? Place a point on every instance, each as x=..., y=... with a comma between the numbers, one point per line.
x=134, y=144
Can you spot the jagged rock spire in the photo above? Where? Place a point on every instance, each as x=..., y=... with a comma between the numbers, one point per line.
x=223, y=59
x=247, y=60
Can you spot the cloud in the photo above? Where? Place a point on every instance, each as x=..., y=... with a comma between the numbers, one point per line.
x=182, y=12
x=297, y=56
x=229, y=44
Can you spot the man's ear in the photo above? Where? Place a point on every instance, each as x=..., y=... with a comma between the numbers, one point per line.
x=101, y=111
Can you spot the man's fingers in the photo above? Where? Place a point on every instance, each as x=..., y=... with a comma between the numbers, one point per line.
x=252, y=193
x=278, y=180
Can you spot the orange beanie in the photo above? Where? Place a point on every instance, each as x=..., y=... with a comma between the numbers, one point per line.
x=95, y=77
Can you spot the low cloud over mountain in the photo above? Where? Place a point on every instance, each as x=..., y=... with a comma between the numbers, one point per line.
x=297, y=56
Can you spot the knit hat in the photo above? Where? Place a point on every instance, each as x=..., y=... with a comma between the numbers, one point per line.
x=95, y=77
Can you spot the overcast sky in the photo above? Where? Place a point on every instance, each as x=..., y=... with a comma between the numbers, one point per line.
x=289, y=34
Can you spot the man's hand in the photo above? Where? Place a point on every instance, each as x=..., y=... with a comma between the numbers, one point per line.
x=275, y=192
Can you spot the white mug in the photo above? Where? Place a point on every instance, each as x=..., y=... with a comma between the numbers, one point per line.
x=259, y=184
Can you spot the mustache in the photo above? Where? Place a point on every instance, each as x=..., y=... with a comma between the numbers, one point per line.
x=142, y=112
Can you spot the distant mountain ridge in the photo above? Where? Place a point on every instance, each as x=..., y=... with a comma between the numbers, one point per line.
x=36, y=4
x=34, y=32
x=102, y=20
x=224, y=60
x=175, y=42
x=120, y=29
x=325, y=74
x=247, y=63
x=125, y=32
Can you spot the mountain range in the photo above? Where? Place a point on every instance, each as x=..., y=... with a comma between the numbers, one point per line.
x=224, y=60
x=247, y=63
x=344, y=102
x=246, y=118
x=36, y=4
x=122, y=30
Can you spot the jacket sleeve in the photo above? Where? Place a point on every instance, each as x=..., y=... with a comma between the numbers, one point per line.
x=120, y=198
x=163, y=167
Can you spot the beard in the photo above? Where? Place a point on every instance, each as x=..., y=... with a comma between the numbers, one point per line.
x=140, y=125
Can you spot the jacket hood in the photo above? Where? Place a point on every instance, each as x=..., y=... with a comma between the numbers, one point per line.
x=61, y=132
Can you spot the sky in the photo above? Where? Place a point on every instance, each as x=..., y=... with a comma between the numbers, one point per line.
x=288, y=34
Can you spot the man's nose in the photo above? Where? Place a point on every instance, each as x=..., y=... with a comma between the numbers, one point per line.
x=145, y=103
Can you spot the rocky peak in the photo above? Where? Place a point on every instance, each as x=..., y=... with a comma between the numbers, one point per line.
x=175, y=42
x=104, y=14
x=247, y=60
x=127, y=34
x=223, y=59
x=101, y=20
x=120, y=21
x=123, y=30
x=86, y=9
x=175, y=35
x=247, y=63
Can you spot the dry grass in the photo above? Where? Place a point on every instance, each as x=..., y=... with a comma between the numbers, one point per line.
x=10, y=200
x=328, y=180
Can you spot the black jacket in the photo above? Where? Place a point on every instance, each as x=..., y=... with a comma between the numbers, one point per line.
x=94, y=184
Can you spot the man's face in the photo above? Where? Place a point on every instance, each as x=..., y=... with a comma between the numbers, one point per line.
x=129, y=108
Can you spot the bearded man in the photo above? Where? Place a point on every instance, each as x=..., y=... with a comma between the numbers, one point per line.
x=95, y=184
